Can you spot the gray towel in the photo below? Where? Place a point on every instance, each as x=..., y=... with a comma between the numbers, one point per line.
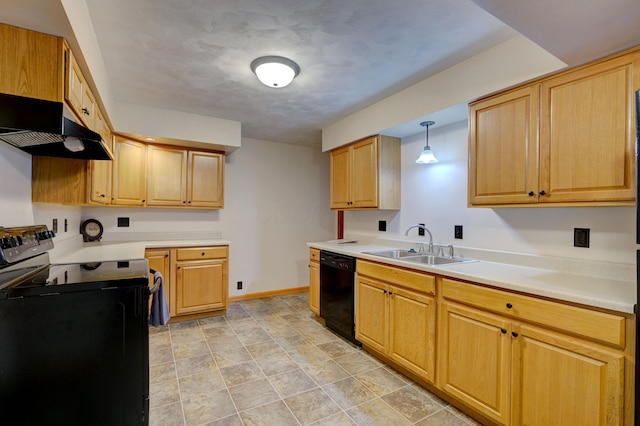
x=159, y=306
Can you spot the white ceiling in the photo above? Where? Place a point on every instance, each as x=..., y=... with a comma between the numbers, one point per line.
x=194, y=55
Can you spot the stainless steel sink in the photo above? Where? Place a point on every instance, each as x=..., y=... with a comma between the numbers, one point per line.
x=429, y=259
x=415, y=257
x=394, y=253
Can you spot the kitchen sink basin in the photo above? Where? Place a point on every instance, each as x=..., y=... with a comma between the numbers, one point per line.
x=429, y=259
x=415, y=257
x=394, y=253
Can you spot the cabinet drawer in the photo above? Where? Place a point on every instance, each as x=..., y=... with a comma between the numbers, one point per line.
x=314, y=255
x=195, y=253
x=595, y=325
x=414, y=280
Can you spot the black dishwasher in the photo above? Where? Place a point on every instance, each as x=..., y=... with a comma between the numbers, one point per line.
x=337, y=293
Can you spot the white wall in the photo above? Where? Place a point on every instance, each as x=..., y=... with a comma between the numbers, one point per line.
x=436, y=195
x=15, y=187
x=276, y=200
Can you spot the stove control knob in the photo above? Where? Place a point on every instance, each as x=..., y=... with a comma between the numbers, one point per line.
x=19, y=240
x=5, y=243
x=11, y=242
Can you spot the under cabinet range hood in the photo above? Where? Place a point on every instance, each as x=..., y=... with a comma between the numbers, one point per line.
x=39, y=127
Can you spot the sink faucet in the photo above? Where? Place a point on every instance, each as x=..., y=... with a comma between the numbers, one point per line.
x=428, y=232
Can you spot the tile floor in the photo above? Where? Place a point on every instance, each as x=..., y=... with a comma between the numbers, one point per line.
x=268, y=362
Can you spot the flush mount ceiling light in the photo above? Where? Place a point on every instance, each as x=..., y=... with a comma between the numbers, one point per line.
x=427, y=157
x=275, y=71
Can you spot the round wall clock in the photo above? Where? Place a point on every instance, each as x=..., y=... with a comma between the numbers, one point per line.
x=91, y=230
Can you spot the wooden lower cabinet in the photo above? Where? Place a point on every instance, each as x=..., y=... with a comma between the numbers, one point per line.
x=561, y=380
x=395, y=318
x=474, y=363
x=517, y=373
x=196, y=278
x=314, y=281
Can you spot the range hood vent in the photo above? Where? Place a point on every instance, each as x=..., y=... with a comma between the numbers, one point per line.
x=39, y=127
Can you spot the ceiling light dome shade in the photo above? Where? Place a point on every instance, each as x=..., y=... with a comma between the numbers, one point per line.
x=275, y=71
x=427, y=156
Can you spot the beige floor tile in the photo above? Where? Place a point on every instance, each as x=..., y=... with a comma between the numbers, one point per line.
x=311, y=406
x=197, y=364
x=442, y=418
x=204, y=383
x=252, y=336
x=381, y=381
x=340, y=419
x=162, y=372
x=292, y=382
x=357, y=363
x=294, y=343
x=233, y=420
x=413, y=403
x=212, y=322
x=231, y=356
x=241, y=373
x=463, y=416
x=207, y=408
x=276, y=364
x=326, y=372
x=160, y=354
x=276, y=413
x=376, y=413
x=337, y=348
x=221, y=343
x=184, y=350
x=348, y=392
x=163, y=393
x=263, y=349
x=280, y=331
x=253, y=394
x=167, y=415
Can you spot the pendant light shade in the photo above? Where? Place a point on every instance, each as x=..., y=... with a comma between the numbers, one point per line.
x=275, y=71
x=427, y=157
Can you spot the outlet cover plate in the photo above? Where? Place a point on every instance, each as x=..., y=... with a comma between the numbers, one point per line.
x=457, y=232
x=581, y=237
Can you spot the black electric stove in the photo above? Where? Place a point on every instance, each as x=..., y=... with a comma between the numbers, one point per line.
x=74, y=343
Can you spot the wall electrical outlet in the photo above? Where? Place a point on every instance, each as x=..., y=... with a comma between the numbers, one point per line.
x=239, y=285
x=123, y=222
x=421, y=230
x=66, y=225
x=581, y=237
x=54, y=226
x=457, y=232
x=382, y=225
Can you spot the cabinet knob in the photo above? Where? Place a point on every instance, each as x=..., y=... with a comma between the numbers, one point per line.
x=85, y=111
x=184, y=202
x=144, y=201
x=542, y=192
x=102, y=195
x=385, y=291
x=509, y=306
x=531, y=193
x=503, y=330
x=203, y=253
x=514, y=333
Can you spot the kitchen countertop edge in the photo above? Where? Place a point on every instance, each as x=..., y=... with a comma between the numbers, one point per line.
x=590, y=291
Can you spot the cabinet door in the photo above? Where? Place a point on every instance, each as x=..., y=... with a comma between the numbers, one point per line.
x=364, y=174
x=412, y=319
x=74, y=87
x=206, y=180
x=340, y=178
x=88, y=115
x=372, y=325
x=31, y=63
x=475, y=358
x=129, y=173
x=503, y=148
x=100, y=184
x=166, y=176
x=565, y=381
x=200, y=286
x=587, y=133
x=159, y=261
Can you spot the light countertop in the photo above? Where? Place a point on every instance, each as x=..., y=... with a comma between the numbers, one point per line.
x=616, y=295
x=76, y=251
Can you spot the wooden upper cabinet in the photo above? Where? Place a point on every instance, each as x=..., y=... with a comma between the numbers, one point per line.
x=366, y=174
x=566, y=139
x=587, y=133
x=129, y=173
x=31, y=63
x=503, y=148
x=166, y=176
x=78, y=94
x=206, y=180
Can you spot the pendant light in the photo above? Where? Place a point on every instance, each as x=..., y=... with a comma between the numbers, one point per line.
x=275, y=71
x=427, y=157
